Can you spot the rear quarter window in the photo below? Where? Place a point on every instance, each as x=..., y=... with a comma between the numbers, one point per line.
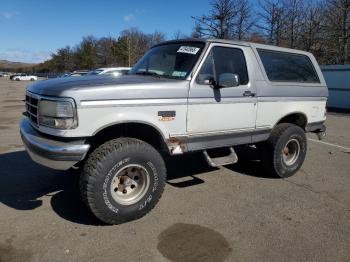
x=288, y=67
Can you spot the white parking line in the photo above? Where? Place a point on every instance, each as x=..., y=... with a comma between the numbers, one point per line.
x=329, y=144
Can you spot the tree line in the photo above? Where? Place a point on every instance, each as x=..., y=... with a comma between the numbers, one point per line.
x=94, y=52
x=318, y=26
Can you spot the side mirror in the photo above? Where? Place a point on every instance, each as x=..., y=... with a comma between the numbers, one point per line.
x=228, y=80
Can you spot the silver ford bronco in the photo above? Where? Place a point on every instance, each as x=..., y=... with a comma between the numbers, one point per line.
x=182, y=96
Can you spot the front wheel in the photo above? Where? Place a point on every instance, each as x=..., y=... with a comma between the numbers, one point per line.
x=122, y=180
x=284, y=152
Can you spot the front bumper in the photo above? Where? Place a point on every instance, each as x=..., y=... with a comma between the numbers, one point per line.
x=60, y=155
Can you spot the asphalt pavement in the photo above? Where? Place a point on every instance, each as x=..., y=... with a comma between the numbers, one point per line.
x=234, y=213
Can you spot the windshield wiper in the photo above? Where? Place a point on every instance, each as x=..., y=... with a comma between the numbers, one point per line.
x=147, y=73
x=171, y=77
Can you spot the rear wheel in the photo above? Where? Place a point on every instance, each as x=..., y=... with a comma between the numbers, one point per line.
x=122, y=180
x=284, y=152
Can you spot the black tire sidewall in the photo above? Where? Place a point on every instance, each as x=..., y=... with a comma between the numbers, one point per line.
x=280, y=166
x=114, y=162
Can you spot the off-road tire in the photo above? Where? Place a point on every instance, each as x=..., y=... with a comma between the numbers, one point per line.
x=104, y=162
x=272, y=150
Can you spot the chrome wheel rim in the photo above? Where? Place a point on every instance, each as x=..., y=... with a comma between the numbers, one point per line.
x=130, y=184
x=291, y=151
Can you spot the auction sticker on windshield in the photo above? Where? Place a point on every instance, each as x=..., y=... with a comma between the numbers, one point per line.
x=188, y=50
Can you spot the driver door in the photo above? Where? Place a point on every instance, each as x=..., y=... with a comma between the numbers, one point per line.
x=231, y=109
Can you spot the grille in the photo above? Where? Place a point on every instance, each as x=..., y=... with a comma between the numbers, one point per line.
x=32, y=107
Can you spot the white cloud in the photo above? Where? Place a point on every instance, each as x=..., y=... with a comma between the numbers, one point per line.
x=22, y=55
x=128, y=17
x=8, y=15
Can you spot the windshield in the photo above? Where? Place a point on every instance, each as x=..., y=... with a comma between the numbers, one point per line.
x=169, y=60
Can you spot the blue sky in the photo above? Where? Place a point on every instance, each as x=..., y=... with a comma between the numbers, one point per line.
x=30, y=30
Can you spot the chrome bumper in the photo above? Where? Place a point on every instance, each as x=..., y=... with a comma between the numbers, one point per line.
x=52, y=153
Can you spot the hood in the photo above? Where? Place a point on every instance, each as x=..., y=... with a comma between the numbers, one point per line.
x=85, y=88
x=57, y=86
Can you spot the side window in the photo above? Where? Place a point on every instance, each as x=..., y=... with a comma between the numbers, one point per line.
x=222, y=60
x=207, y=70
x=288, y=67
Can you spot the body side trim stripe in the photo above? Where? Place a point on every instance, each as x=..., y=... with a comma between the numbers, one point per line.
x=193, y=100
x=287, y=99
x=196, y=143
x=135, y=102
x=222, y=133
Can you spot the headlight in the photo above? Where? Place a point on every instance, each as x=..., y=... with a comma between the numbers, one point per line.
x=58, y=114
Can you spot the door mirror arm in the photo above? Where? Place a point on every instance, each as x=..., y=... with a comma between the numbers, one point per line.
x=211, y=82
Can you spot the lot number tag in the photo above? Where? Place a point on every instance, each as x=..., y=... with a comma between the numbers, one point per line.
x=188, y=50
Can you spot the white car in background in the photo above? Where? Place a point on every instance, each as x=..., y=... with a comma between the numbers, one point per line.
x=3, y=74
x=24, y=77
x=114, y=71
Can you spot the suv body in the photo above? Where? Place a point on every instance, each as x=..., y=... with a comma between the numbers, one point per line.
x=182, y=96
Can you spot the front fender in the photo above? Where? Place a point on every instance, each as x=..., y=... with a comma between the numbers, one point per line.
x=92, y=120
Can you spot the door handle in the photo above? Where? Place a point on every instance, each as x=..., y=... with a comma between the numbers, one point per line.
x=248, y=93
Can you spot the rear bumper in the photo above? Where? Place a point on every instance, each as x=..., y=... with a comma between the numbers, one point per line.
x=60, y=155
x=319, y=128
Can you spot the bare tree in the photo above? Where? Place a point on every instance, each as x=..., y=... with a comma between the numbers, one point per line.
x=243, y=21
x=311, y=31
x=155, y=38
x=132, y=43
x=293, y=19
x=271, y=22
x=197, y=31
x=256, y=37
x=104, y=49
x=179, y=35
x=337, y=30
x=218, y=23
